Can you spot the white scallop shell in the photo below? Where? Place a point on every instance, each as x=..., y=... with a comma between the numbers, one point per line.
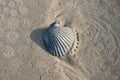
x=58, y=40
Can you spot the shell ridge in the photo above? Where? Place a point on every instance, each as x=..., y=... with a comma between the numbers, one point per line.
x=68, y=34
x=55, y=40
x=71, y=40
x=64, y=40
x=60, y=43
x=54, y=46
x=57, y=50
x=58, y=40
x=64, y=45
x=66, y=30
x=57, y=44
x=45, y=38
x=51, y=41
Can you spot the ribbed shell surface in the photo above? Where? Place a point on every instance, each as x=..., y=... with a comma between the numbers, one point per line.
x=58, y=40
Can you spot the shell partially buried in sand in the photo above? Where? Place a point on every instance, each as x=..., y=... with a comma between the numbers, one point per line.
x=58, y=39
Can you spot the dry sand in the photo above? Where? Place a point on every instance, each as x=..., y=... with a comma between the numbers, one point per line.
x=22, y=51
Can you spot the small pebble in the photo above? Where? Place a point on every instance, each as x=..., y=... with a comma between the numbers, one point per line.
x=77, y=34
x=74, y=50
x=77, y=42
x=76, y=46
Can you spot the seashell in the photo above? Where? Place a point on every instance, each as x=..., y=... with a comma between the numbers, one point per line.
x=58, y=40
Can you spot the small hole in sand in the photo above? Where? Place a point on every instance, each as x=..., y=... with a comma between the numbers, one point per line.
x=77, y=42
x=75, y=56
x=77, y=34
x=78, y=37
x=76, y=46
x=74, y=50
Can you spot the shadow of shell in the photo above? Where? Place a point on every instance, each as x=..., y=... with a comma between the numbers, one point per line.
x=36, y=36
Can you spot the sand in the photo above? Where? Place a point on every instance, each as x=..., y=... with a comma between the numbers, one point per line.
x=22, y=52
